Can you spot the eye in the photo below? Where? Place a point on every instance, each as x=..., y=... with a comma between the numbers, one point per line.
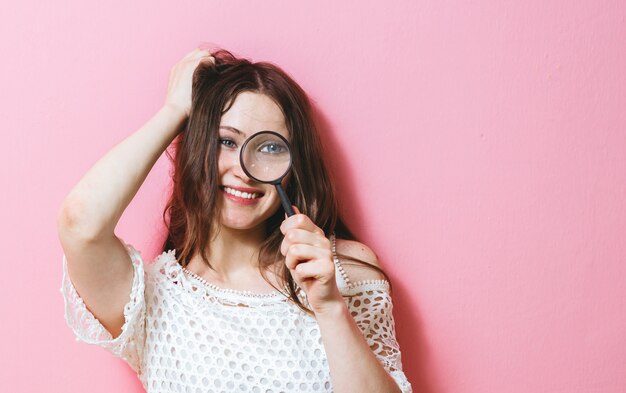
x=228, y=143
x=272, y=148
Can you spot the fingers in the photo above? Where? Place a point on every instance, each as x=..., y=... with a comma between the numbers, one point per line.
x=309, y=258
x=318, y=270
x=299, y=229
x=201, y=56
x=298, y=254
x=300, y=221
x=189, y=63
x=195, y=57
x=204, y=56
x=198, y=52
x=180, y=84
x=301, y=236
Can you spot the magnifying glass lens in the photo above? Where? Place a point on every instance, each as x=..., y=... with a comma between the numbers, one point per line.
x=266, y=157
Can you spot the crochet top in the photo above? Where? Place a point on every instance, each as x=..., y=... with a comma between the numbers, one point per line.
x=182, y=334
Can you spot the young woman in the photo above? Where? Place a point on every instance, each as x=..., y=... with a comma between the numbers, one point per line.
x=243, y=298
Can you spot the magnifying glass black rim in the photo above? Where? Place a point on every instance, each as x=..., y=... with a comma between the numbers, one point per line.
x=243, y=166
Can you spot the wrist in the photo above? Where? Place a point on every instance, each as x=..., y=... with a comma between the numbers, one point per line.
x=331, y=310
x=175, y=111
x=172, y=118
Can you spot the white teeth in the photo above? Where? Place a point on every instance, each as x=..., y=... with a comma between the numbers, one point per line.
x=240, y=194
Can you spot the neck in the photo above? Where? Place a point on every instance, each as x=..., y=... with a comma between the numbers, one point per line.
x=232, y=253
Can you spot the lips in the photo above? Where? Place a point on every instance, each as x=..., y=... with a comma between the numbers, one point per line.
x=241, y=195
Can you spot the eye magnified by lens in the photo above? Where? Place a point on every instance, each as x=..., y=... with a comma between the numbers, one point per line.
x=266, y=158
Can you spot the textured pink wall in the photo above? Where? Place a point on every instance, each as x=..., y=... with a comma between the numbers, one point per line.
x=482, y=146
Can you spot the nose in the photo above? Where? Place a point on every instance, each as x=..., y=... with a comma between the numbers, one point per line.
x=238, y=170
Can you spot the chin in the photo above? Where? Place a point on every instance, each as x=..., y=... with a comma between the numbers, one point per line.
x=245, y=218
x=241, y=225
x=241, y=222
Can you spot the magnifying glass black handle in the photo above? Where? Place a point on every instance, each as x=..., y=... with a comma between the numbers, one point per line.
x=285, y=200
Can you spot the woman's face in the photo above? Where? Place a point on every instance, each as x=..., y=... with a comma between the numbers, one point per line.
x=245, y=203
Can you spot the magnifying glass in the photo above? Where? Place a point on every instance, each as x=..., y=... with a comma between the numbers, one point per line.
x=266, y=158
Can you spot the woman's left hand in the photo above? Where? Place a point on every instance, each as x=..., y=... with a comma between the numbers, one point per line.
x=309, y=257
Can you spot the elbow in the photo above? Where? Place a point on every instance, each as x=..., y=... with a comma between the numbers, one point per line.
x=73, y=223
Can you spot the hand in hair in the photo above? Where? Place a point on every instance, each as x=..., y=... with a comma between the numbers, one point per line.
x=309, y=258
x=181, y=78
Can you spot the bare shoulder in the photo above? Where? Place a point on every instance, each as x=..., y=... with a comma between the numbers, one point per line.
x=350, y=252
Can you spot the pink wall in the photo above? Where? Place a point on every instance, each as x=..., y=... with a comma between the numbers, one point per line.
x=482, y=146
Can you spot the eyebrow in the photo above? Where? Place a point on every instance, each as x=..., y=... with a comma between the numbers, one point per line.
x=233, y=129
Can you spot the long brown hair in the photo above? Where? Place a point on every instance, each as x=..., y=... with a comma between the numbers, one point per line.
x=193, y=205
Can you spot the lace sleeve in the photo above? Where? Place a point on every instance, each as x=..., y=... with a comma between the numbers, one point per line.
x=86, y=328
x=370, y=305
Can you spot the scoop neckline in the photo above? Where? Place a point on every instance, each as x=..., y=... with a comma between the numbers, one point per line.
x=246, y=294
x=214, y=288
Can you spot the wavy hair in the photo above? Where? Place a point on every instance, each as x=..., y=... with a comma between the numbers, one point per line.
x=190, y=211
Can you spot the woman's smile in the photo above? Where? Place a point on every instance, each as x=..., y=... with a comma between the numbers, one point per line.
x=242, y=195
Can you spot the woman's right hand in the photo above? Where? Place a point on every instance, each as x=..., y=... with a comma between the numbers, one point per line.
x=181, y=78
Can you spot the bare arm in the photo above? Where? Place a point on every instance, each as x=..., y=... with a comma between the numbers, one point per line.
x=98, y=263
x=353, y=365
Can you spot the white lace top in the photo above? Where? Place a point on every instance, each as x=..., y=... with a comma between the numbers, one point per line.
x=182, y=334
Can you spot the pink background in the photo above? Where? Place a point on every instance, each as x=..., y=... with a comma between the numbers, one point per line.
x=482, y=147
